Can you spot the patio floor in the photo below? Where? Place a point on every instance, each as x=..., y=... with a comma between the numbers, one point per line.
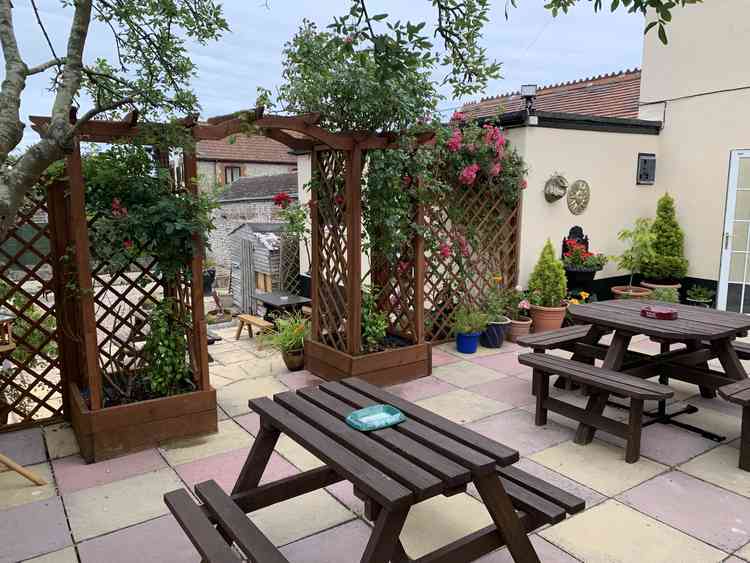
x=684, y=501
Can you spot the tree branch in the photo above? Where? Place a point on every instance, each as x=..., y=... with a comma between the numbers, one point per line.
x=44, y=30
x=44, y=66
x=11, y=127
x=93, y=112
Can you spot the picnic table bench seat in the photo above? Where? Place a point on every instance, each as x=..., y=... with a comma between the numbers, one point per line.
x=554, y=339
x=742, y=349
x=739, y=394
x=391, y=469
x=601, y=382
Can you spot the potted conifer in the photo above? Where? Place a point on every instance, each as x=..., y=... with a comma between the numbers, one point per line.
x=547, y=290
x=667, y=265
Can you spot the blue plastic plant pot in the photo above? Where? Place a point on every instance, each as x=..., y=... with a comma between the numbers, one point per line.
x=467, y=343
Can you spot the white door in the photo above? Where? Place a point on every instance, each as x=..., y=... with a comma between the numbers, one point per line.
x=734, y=279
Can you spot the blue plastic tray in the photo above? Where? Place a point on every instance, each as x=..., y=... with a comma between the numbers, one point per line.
x=375, y=417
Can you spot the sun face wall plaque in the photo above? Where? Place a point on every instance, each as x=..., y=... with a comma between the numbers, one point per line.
x=579, y=195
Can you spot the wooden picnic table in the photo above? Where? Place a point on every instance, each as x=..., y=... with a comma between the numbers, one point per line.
x=706, y=334
x=279, y=301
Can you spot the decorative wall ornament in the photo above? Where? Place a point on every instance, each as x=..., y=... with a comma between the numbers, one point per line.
x=555, y=188
x=579, y=196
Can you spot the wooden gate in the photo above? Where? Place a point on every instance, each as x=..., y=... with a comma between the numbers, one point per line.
x=31, y=385
x=247, y=277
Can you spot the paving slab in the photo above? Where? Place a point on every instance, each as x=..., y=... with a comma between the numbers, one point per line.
x=342, y=544
x=25, y=447
x=296, y=454
x=440, y=358
x=225, y=468
x=233, y=398
x=720, y=466
x=503, y=363
x=233, y=372
x=547, y=553
x=299, y=379
x=157, y=541
x=702, y=510
x=344, y=492
x=462, y=406
x=16, y=490
x=61, y=440
x=441, y=520
x=300, y=517
x=250, y=422
x=465, y=374
x=612, y=532
x=32, y=529
x=73, y=473
x=109, y=507
x=713, y=421
x=510, y=390
x=515, y=428
x=744, y=553
x=230, y=436
x=67, y=555
x=598, y=465
x=421, y=388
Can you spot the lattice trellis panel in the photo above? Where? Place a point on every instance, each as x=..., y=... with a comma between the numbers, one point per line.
x=31, y=389
x=329, y=172
x=490, y=230
x=395, y=287
x=289, y=251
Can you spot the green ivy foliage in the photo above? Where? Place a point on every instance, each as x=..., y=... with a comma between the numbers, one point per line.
x=29, y=339
x=166, y=350
x=668, y=261
x=548, y=284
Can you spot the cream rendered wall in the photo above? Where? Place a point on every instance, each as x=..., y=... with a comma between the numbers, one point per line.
x=707, y=51
x=607, y=161
x=304, y=175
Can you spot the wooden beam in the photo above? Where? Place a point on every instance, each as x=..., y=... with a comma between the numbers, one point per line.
x=100, y=131
x=294, y=143
x=354, y=250
x=315, y=254
x=338, y=141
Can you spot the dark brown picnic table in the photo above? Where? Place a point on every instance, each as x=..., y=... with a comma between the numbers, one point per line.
x=706, y=334
x=393, y=469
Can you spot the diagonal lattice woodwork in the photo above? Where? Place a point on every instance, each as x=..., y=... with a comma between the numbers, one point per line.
x=329, y=173
x=491, y=232
x=31, y=388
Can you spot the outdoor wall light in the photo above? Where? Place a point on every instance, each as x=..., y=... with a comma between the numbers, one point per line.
x=528, y=93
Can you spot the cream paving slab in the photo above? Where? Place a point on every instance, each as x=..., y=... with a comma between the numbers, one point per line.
x=744, y=553
x=720, y=466
x=67, y=555
x=299, y=517
x=296, y=454
x=466, y=374
x=711, y=420
x=233, y=356
x=233, y=398
x=16, y=490
x=217, y=381
x=611, y=532
x=231, y=436
x=441, y=520
x=61, y=440
x=463, y=406
x=98, y=510
x=234, y=372
x=598, y=465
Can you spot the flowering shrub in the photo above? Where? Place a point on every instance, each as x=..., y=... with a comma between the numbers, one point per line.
x=578, y=258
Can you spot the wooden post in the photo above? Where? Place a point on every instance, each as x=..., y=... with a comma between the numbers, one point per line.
x=65, y=312
x=200, y=331
x=82, y=246
x=314, y=254
x=420, y=263
x=354, y=249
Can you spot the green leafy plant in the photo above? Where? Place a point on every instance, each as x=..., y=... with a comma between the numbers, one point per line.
x=469, y=320
x=289, y=333
x=666, y=294
x=547, y=283
x=579, y=259
x=28, y=336
x=374, y=322
x=668, y=262
x=700, y=293
x=165, y=350
x=640, y=250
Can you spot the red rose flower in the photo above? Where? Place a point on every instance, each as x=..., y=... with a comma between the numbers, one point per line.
x=282, y=199
x=407, y=180
x=445, y=250
x=339, y=199
x=128, y=244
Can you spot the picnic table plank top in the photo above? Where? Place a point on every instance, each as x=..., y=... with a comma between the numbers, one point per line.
x=274, y=298
x=693, y=323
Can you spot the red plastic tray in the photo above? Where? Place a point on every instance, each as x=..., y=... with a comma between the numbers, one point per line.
x=660, y=313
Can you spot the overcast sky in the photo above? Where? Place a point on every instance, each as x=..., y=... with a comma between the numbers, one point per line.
x=533, y=46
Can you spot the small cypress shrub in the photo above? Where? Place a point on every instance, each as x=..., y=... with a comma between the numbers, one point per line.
x=547, y=284
x=668, y=262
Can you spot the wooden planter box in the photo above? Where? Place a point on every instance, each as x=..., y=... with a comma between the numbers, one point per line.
x=389, y=367
x=116, y=431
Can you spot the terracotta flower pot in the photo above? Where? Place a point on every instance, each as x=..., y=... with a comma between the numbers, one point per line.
x=547, y=318
x=631, y=292
x=294, y=360
x=518, y=328
x=652, y=285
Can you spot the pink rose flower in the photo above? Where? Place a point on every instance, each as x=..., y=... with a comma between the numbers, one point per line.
x=459, y=116
x=496, y=168
x=469, y=174
x=524, y=304
x=523, y=184
x=472, y=148
x=454, y=143
x=445, y=250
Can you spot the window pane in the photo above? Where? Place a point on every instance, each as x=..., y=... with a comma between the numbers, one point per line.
x=743, y=178
x=742, y=207
x=734, y=294
x=739, y=236
x=737, y=267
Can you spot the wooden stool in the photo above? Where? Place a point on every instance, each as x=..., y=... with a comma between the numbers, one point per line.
x=251, y=321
